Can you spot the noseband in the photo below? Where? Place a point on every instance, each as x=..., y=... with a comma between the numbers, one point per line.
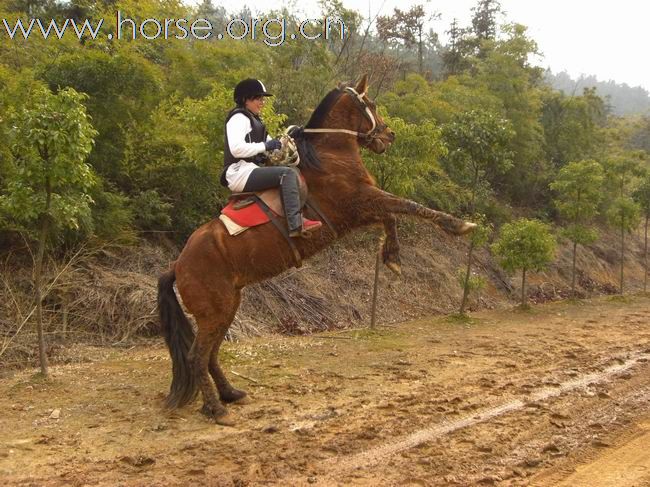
x=366, y=137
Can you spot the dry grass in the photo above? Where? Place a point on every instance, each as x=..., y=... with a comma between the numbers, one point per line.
x=107, y=295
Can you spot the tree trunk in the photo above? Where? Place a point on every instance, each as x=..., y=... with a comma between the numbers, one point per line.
x=38, y=277
x=375, y=290
x=645, y=255
x=622, y=254
x=463, y=303
x=38, y=272
x=523, y=287
x=573, y=271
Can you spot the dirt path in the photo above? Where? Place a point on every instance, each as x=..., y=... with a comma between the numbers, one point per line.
x=626, y=464
x=556, y=396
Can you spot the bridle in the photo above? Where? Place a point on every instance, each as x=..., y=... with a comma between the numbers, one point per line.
x=367, y=137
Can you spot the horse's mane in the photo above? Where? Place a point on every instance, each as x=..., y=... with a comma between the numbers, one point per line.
x=323, y=108
x=308, y=157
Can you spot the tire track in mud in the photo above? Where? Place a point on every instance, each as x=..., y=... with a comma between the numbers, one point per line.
x=337, y=466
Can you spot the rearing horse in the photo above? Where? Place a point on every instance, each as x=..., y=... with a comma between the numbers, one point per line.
x=213, y=267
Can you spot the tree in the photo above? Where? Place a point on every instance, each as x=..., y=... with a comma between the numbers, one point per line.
x=572, y=126
x=508, y=74
x=122, y=91
x=623, y=213
x=216, y=15
x=640, y=138
x=455, y=56
x=407, y=28
x=478, y=145
x=416, y=150
x=642, y=198
x=526, y=245
x=48, y=186
x=484, y=20
x=578, y=186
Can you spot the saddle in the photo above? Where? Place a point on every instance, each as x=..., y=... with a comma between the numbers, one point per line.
x=247, y=210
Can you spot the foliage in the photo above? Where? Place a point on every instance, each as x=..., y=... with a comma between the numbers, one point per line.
x=507, y=73
x=416, y=100
x=49, y=178
x=622, y=99
x=642, y=194
x=525, y=244
x=572, y=126
x=121, y=91
x=578, y=187
x=478, y=147
x=407, y=27
x=47, y=186
x=415, y=152
x=484, y=20
x=158, y=108
x=475, y=283
x=483, y=232
x=624, y=214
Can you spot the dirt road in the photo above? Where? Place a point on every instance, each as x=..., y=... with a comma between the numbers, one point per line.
x=556, y=396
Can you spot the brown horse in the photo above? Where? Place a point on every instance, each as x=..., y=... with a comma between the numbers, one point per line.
x=214, y=266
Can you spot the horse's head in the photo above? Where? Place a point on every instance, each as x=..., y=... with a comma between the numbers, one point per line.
x=361, y=114
x=348, y=110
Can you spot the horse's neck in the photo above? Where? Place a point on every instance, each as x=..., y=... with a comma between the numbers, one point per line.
x=335, y=188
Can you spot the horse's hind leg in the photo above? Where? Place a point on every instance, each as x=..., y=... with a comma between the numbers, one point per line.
x=212, y=328
x=227, y=392
x=204, y=343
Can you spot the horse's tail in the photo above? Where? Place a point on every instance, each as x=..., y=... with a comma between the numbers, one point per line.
x=179, y=336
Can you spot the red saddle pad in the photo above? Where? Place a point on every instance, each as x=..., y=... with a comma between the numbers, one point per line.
x=250, y=216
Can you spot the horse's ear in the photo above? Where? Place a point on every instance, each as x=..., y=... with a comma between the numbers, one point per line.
x=362, y=85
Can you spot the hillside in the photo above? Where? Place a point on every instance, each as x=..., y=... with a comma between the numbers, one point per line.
x=108, y=296
x=623, y=99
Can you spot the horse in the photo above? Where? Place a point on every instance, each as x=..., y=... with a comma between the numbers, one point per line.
x=214, y=266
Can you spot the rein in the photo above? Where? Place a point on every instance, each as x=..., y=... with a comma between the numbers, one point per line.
x=367, y=136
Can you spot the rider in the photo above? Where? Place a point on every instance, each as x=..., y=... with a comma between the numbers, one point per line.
x=247, y=143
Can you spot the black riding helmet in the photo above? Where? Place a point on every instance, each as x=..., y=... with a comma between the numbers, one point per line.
x=249, y=88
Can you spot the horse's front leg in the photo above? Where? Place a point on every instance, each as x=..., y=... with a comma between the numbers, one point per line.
x=390, y=247
x=377, y=202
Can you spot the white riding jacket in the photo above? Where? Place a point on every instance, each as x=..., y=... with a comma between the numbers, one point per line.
x=238, y=129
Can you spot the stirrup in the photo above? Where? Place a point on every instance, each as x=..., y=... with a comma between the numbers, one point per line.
x=308, y=226
x=243, y=203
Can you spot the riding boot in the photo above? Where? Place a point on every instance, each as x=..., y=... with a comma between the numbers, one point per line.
x=291, y=201
x=298, y=226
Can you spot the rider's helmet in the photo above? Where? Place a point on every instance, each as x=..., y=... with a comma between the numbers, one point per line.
x=249, y=88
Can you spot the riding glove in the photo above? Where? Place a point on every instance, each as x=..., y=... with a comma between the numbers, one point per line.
x=273, y=144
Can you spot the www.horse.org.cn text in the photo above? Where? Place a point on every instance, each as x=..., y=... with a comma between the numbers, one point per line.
x=273, y=32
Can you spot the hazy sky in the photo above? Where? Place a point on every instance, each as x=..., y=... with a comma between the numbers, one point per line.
x=609, y=39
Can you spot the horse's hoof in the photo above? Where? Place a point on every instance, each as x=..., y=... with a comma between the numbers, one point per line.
x=226, y=419
x=214, y=411
x=395, y=267
x=466, y=228
x=234, y=396
x=242, y=401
